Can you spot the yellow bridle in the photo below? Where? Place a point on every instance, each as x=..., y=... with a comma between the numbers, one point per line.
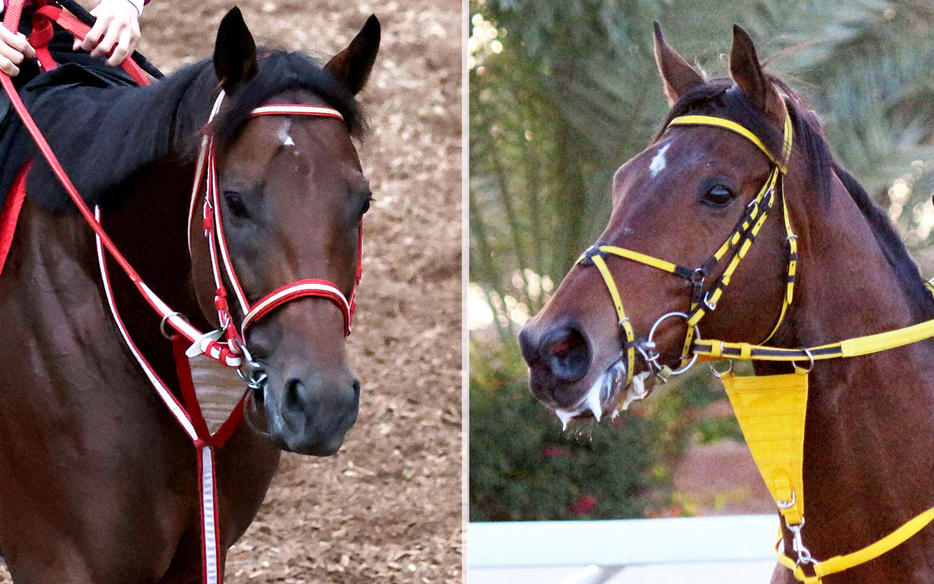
x=739, y=242
x=771, y=409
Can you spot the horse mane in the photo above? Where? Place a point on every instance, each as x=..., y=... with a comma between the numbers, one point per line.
x=720, y=97
x=103, y=134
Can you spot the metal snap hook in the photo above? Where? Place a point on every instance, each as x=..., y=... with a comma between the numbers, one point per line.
x=256, y=377
x=797, y=544
x=719, y=374
x=810, y=365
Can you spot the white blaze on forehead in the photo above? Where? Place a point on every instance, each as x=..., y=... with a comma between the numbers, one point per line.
x=284, y=135
x=658, y=163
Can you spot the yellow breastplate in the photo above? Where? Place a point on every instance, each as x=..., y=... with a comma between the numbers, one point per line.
x=771, y=412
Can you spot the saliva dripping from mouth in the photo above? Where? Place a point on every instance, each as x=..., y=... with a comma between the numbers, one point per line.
x=603, y=391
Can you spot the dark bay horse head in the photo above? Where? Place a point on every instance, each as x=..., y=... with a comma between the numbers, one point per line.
x=292, y=196
x=678, y=201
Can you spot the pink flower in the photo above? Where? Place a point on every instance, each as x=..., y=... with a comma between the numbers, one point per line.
x=555, y=452
x=584, y=505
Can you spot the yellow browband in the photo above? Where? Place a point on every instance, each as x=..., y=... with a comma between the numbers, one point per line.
x=771, y=409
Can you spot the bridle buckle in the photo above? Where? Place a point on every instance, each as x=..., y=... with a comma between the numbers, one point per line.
x=586, y=258
x=711, y=306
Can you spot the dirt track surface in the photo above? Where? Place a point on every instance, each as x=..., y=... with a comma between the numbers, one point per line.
x=387, y=507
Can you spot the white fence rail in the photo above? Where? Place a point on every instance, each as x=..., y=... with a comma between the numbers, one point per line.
x=590, y=552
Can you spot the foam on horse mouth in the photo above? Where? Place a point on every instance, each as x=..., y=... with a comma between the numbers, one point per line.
x=604, y=393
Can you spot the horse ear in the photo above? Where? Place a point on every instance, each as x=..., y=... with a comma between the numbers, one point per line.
x=352, y=65
x=677, y=75
x=747, y=73
x=234, y=52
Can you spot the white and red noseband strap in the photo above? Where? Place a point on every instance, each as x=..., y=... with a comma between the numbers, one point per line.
x=221, y=263
x=300, y=289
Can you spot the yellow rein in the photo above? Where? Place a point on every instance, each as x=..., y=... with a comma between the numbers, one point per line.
x=771, y=409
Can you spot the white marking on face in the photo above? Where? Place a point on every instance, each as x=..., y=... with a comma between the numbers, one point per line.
x=284, y=136
x=658, y=163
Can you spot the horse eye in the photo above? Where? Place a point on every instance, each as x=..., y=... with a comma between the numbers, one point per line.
x=718, y=196
x=236, y=205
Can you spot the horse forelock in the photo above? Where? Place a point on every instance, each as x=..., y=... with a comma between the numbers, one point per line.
x=279, y=72
x=719, y=97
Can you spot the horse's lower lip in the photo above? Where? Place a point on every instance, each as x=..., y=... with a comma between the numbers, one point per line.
x=601, y=398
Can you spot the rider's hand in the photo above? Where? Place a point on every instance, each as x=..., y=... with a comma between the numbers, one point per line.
x=13, y=49
x=117, y=28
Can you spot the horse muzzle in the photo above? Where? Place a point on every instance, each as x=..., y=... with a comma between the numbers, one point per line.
x=563, y=375
x=305, y=412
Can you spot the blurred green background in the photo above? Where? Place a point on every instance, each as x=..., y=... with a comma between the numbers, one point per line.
x=561, y=94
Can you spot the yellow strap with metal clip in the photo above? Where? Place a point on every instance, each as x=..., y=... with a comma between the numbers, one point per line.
x=849, y=348
x=838, y=564
x=771, y=411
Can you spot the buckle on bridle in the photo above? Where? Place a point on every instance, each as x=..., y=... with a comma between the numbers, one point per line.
x=255, y=377
x=710, y=306
x=697, y=278
x=586, y=258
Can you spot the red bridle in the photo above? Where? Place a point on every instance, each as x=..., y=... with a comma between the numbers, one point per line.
x=228, y=353
x=221, y=264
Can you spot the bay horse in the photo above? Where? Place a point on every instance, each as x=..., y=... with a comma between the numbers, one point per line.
x=868, y=435
x=98, y=482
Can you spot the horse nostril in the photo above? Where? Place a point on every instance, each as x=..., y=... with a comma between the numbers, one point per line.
x=292, y=399
x=567, y=352
x=356, y=388
x=528, y=346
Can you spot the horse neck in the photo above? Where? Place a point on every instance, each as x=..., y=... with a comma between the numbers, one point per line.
x=150, y=227
x=121, y=130
x=869, y=419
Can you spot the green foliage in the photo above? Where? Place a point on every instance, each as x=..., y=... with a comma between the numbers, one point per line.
x=523, y=467
x=710, y=430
